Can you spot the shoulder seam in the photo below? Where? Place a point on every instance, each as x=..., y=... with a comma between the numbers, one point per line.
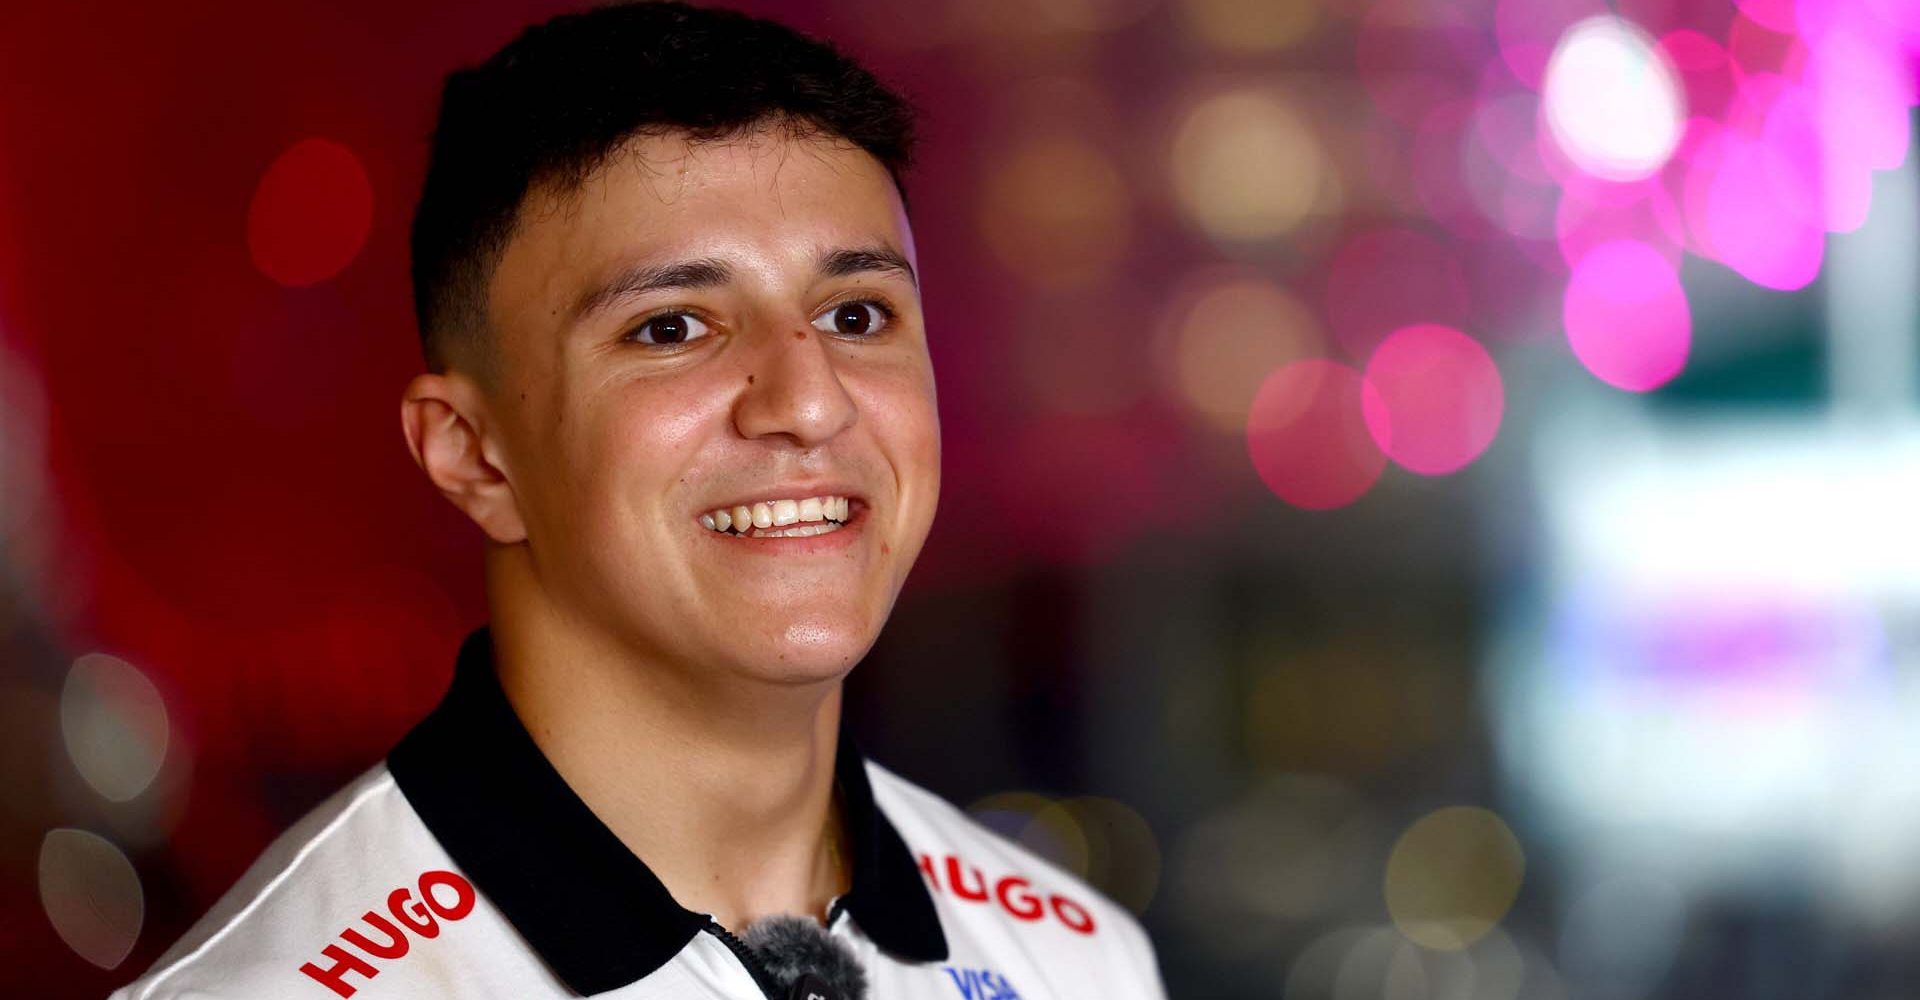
x=385, y=782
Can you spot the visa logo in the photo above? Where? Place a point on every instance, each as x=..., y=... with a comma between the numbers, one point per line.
x=981, y=984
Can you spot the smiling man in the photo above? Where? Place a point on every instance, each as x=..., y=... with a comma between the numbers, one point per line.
x=679, y=379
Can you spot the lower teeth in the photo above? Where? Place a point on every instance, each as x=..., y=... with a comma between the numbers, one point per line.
x=799, y=531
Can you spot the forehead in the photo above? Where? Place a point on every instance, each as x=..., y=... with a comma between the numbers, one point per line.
x=769, y=200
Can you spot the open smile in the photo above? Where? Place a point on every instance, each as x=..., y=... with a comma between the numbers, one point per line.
x=783, y=518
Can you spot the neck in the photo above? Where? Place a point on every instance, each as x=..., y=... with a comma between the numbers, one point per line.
x=724, y=788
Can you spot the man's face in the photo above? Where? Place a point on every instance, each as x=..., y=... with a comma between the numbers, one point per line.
x=705, y=327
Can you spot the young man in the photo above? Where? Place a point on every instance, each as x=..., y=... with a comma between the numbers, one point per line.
x=679, y=379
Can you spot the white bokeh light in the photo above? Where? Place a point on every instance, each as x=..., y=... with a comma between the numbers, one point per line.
x=91, y=895
x=1613, y=103
x=114, y=724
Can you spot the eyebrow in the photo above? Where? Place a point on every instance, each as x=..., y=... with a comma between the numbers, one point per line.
x=879, y=257
x=711, y=272
x=706, y=272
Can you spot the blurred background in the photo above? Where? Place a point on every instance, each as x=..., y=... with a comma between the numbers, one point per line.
x=1430, y=483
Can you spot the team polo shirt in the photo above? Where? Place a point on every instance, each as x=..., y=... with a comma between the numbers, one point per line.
x=464, y=866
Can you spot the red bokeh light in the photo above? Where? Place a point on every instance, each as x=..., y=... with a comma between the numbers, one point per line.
x=311, y=213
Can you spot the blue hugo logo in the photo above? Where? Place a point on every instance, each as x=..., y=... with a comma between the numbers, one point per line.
x=981, y=984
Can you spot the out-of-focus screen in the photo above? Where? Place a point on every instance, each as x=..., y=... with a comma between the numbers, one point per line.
x=1432, y=487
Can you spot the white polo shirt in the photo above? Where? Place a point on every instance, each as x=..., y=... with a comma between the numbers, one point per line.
x=465, y=867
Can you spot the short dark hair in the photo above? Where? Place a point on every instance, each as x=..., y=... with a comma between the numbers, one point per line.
x=549, y=108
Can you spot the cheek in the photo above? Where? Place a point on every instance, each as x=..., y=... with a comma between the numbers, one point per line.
x=629, y=450
x=899, y=402
x=926, y=429
x=654, y=427
x=906, y=423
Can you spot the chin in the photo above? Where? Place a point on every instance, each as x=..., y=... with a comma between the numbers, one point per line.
x=809, y=651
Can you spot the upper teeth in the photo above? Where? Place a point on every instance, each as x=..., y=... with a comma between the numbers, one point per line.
x=776, y=514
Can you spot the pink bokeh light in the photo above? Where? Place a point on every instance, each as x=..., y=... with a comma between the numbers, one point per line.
x=1815, y=19
x=1308, y=436
x=1755, y=94
x=1703, y=150
x=1754, y=48
x=1500, y=162
x=1774, y=15
x=1436, y=399
x=1818, y=173
x=1750, y=228
x=1693, y=52
x=1706, y=80
x=1521, y=208
x=1901, y=17
x=1507, y=124
x=1892, y=23
x=1593, y=213
x=1865, y=85
x=1627, y=317
x=1527, y=31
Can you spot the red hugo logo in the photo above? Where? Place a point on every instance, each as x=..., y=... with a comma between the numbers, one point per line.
x=421, y=916
x=1014, y=893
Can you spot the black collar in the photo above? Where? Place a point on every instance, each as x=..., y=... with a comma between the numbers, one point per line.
x=595, y=913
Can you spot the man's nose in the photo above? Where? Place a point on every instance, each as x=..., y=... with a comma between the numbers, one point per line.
x=794, y=391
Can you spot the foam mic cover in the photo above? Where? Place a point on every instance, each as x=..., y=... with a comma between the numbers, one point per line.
x=805, y=960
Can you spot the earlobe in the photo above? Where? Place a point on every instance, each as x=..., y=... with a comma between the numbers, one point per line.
x=440, y=417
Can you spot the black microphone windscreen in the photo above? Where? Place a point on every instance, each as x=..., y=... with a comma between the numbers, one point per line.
x=792, y=947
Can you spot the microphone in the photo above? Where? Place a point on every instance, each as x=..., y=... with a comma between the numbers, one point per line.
x=804, y=960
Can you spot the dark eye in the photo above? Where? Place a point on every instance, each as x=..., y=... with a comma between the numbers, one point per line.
x=854, y=319
x=669, y=328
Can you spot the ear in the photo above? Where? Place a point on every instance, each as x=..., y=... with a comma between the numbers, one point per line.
x=441, y=416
